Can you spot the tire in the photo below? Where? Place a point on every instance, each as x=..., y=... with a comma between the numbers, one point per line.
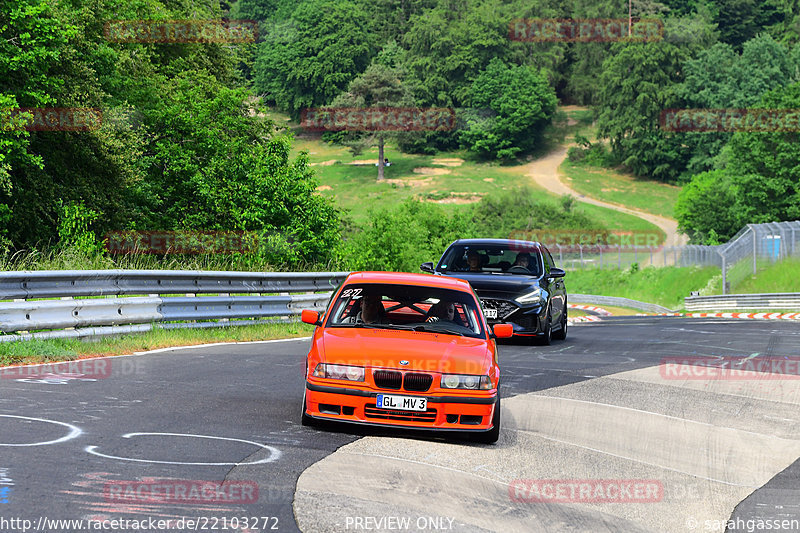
x=547, y=337
x=304, y=418
x=491, y=436
x=561, y=334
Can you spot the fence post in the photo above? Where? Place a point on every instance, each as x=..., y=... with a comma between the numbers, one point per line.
x=619, y=256
x=724, y=276
x=755, y=251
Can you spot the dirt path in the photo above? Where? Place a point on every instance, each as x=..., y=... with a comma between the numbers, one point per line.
x=545, y=173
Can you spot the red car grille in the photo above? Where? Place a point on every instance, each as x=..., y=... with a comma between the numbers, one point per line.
x=393, y=380
x=386, y=379
x=417, y=382
x=371, y=411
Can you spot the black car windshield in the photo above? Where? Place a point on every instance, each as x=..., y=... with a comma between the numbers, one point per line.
x=413, y=307
x=512, y=258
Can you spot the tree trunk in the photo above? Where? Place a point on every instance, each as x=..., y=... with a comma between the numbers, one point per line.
x=380, y=158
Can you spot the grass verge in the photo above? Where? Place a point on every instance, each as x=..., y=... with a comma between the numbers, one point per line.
x=783, y=276
x=43, y=351
x=665, y=286
x=611, y=186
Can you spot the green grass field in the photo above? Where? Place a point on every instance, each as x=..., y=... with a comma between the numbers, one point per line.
x=452, y=179
x=613, y=187
x=665, y=286
x=783, y=276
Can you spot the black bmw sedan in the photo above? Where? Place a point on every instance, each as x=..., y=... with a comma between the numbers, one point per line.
x=516, y=281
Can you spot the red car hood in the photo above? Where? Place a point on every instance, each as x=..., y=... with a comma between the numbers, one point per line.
x=384, y=348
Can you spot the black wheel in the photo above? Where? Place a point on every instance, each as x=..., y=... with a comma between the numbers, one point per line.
x=547, y=337
x=491, y=436
x=561, y=334
x=305, y=419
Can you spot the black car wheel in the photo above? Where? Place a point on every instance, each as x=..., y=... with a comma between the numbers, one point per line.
x=562, y=333
x=491, y=436
x=546, y=338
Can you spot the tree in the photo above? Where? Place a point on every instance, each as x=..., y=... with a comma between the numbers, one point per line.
x=520, y=104
x=31, y=40
x=639, y=81
x=213, y=166
x=327, y=46
x=760, y=183
x=704, y=206
x=721, y=78
x=377, y=87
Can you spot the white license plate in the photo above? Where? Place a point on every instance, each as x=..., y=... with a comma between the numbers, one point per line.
x=490, y=313
x=404, y=403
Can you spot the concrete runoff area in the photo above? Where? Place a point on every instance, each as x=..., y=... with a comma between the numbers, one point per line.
x=710, y=443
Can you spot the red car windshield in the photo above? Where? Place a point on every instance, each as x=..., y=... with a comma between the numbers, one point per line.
x=412, y=307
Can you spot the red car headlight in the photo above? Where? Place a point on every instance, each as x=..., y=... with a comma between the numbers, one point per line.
x=345, y=372
x=460, y=381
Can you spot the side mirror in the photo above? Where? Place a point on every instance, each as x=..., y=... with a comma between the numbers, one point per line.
x=310, y=317
x=503, y=331
x=556, y=273
x=427, y=267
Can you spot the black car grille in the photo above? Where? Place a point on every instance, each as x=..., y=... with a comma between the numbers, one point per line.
x=390, y=379
x=417, y=382
x=386, y=379
x=504, y=307
x=371, y=411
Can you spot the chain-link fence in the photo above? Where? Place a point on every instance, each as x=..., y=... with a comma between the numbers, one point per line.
x=576, y=257
x=753, y=247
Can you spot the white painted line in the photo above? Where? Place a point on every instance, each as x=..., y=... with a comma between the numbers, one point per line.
x=159, y=350
x=274, y=453
x=74, y=431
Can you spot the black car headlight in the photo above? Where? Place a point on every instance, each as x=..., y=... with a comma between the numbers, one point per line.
x=466, y=381
x=535, y=296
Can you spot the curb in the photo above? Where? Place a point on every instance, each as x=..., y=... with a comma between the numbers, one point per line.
x=752, y=316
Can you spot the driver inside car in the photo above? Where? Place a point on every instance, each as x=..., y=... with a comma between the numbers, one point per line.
x=523, y=260
x=372, y=311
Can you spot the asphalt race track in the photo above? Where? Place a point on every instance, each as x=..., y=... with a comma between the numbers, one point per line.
x=593, y=409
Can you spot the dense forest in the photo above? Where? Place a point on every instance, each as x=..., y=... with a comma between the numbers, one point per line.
x=184, y=142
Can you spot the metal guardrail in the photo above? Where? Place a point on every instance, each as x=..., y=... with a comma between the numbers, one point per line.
x=786, y=300
x=130, y=300
x=618, y=301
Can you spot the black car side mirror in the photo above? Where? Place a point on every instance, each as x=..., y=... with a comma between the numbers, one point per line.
x=427, y=267
x=556, y=273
